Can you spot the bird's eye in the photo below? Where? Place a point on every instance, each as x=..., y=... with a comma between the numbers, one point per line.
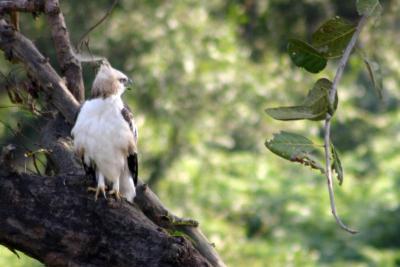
x=123, y=80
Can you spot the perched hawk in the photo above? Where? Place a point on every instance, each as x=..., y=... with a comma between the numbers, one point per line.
x=105, y=135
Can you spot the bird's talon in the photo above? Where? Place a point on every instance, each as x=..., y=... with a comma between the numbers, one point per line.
x=116, y=194
x=92, y=189
x=97, y=192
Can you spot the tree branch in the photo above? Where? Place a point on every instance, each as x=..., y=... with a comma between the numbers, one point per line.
x=55, y=138
x=16, y=46
x=151, y=205
x=57, y=222
x=86, y=33
x=22, y=5
x=82, y=227
x=70, y=65
x=345, y=58
x=327, y=126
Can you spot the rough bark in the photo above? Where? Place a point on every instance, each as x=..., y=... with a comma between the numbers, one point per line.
x=22, y=5
x=55, y=220
x=151, y=205
x=70, y=66
x=16, y=46
x=55, y=137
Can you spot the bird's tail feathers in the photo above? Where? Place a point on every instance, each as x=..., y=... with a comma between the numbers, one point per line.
x=127, y=187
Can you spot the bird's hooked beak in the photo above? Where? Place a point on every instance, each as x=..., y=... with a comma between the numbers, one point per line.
x=129, y=84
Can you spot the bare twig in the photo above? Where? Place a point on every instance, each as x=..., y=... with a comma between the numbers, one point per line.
x=83, y=37
x=327, y=127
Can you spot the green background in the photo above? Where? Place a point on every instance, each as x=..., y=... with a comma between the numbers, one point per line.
x=204, y=72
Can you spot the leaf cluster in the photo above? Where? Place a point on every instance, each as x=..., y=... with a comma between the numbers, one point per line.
x=328, y=42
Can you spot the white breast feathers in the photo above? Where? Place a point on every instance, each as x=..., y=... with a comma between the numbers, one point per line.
x=103, y=137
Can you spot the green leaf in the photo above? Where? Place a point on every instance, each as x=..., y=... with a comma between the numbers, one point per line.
x=375, y=74
x=336, y=164
x=305, y=56
x=295, y=148
x=316, y=95
x=371, y=8
x=332, y=37
x=295, y=113
x=314, y=107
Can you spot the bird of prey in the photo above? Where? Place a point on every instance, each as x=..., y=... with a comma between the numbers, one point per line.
x=105, y=135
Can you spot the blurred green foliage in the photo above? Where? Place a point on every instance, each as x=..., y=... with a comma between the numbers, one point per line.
x=8, y=259
x=204, y=72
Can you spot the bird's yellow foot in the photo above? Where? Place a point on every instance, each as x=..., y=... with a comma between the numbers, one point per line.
x=98, y=189
x=116, y=193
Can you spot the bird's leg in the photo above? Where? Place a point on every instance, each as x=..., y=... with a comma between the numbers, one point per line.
x=101, y=187
x=115, y=190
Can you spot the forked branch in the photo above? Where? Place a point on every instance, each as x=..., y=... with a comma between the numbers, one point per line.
x=17, y=46
x=65, y=203
x=55, y=220
x=69, y=64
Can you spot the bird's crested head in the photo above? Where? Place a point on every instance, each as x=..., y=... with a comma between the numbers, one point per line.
x=109, y=82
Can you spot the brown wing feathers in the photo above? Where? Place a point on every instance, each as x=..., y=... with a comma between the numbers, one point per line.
x=127, y=114
x=133, y=166
x=132, y=158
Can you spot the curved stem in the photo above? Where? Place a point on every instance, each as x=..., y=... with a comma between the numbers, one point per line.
x=328, y=173
x=327, y=127
x=345, y=58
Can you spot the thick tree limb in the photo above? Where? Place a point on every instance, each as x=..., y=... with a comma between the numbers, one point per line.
x=16, y=46
x=57, y=222
x=55, y=137
x=66, y=199
x=21, y=5
x=70, y=65
x=151, y=205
